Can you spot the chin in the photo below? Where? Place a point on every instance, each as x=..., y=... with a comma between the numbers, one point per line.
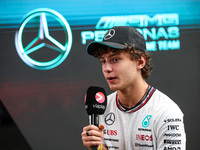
x=113, y=87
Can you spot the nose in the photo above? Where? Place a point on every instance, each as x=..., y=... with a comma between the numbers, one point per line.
x=107, y=67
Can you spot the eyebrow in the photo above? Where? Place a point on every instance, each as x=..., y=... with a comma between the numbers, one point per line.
x=114, y=54
x=111, y=55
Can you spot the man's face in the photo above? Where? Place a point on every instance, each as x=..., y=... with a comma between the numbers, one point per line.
x=119, y=70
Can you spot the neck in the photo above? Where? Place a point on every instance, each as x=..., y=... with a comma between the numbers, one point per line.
x=129, y=97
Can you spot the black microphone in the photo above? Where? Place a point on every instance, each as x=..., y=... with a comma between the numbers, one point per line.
x=95, y=104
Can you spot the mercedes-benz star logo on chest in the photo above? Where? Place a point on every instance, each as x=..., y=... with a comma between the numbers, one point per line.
x=110, y=119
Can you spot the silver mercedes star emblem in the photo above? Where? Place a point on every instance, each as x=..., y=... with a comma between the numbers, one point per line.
x=110, y=119
x=109, y=34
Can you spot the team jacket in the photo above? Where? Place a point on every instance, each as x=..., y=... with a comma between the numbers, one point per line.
x=155, y=123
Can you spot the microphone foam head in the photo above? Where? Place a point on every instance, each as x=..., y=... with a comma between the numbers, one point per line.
x=95, y=100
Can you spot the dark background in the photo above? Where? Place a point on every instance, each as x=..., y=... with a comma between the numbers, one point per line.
x=47, y=106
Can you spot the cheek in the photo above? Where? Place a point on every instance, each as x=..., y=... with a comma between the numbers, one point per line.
x=129, y=71
x=102, y=69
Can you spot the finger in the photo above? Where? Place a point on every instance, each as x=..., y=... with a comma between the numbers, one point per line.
x=91, y=127
x=97, y=133
x=87, y=132
x=101, y=127
x=91, y=140
x=89, y=144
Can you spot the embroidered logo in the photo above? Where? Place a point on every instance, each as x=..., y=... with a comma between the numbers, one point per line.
x=146, y=121
x=109, y=34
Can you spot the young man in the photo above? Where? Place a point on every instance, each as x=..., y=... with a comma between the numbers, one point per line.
x=137, y=116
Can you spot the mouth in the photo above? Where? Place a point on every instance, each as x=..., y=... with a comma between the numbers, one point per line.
x=111, y=79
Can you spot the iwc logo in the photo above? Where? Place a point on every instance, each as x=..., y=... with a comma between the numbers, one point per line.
x=44, y=39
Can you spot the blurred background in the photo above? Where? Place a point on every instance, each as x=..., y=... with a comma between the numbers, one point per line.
x=45, y=70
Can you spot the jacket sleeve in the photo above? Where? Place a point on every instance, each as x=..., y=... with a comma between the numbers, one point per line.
x=169, y=130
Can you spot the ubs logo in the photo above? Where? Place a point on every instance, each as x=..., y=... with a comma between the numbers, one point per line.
x=44, y=39
x=110, y=119
x=112, y=132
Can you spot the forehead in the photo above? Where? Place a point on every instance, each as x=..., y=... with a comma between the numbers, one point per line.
x=111, y=53
x=110, y=50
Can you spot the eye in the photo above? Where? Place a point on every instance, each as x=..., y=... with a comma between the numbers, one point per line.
x=115, y=59
x=102, y=61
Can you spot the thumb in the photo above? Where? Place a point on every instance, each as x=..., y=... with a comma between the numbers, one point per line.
x=101, y=127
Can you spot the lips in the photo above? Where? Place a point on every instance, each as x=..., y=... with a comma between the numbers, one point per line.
x=110, y=79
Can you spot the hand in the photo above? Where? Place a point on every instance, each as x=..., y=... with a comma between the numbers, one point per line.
x=94, y=137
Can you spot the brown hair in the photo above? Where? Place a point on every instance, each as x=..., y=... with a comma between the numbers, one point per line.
x=135, y=55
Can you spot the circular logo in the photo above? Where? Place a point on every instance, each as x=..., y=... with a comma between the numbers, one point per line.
x=100, y=97
x=109, y=34
x=110, y=119
x=44, y=39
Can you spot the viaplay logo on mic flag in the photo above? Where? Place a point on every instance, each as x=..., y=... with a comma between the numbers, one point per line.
x=100, y=97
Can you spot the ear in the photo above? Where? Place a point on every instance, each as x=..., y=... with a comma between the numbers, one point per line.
x=141, y=62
